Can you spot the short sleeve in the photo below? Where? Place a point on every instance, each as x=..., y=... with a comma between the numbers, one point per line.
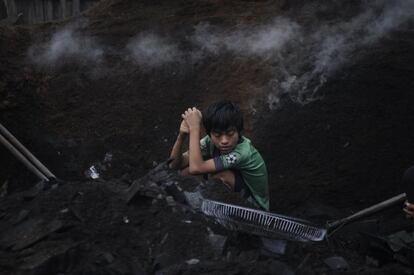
x=204, y=146
x=228, y=161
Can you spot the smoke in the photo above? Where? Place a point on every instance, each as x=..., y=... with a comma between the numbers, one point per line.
x=152, y=51
x=258, y=41
x=302, y=57
x=322, y=52
x=149, y=50
x=66, y=45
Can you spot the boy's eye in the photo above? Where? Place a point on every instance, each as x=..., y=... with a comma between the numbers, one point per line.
x=216, y=134
x=230, y=133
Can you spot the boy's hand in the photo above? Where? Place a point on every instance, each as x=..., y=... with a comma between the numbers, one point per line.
x=184, y=129
x=193, y=118
x=409, y=210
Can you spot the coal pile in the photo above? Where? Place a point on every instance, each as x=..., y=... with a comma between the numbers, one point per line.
x=153, y=226
x=90, y=227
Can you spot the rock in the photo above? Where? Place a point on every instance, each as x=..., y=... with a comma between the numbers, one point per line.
x=170, y=201
x=192, y=261
x=217, y=243
x=28, y=233
x=143, y=187
x=64, y=210
x=399, y=240
x=46, y=257
x=173, y=190
x=274, y=246
x=336, y=263
x=194, y=199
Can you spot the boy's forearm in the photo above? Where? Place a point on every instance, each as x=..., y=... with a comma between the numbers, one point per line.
x=195, y=157
x=176, y=154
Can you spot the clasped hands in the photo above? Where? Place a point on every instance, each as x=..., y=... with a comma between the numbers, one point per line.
x=191, y=120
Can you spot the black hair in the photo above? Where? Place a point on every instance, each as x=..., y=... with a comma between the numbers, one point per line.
x=221, y=116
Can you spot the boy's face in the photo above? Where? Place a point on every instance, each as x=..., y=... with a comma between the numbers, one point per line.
x=225, y=141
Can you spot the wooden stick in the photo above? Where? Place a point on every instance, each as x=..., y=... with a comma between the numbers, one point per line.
x=22, y=158
x=368, y=211
x=26, y=152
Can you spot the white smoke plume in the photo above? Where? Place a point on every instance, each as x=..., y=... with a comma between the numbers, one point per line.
x=151, y=51
x=66, y=45
x=324, y=51
x=303, y=58
x=259, y=41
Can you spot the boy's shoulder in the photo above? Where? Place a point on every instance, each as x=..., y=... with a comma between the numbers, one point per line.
x=244, y=146
x=244, y=141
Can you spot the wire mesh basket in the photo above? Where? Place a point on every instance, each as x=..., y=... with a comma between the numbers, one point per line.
x=262, y=223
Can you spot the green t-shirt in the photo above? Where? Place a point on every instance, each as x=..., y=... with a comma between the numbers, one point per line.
x=246, y=159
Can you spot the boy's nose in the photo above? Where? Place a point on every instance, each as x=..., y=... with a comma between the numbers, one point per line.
x=224, y=140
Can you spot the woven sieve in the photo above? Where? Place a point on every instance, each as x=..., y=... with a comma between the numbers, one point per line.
x=262, y=223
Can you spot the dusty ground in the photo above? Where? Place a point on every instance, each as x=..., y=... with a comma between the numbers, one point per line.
x=326, y=159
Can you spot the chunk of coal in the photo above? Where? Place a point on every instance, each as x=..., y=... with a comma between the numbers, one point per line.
x=192, y=261
x=28, y=233
x=336, y=263
x=142, y=187
x=170, y=201
x=173, y=190
x=274, y=246
x=45, y=257
x=217, y=243
x=193, y=199
x=399, y=240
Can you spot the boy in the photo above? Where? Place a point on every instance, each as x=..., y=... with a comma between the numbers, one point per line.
x=223, y=153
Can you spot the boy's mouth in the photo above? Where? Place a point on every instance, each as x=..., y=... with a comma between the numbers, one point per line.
x=225, y=149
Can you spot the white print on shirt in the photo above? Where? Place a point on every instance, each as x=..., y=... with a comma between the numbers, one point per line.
x=231, y=158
